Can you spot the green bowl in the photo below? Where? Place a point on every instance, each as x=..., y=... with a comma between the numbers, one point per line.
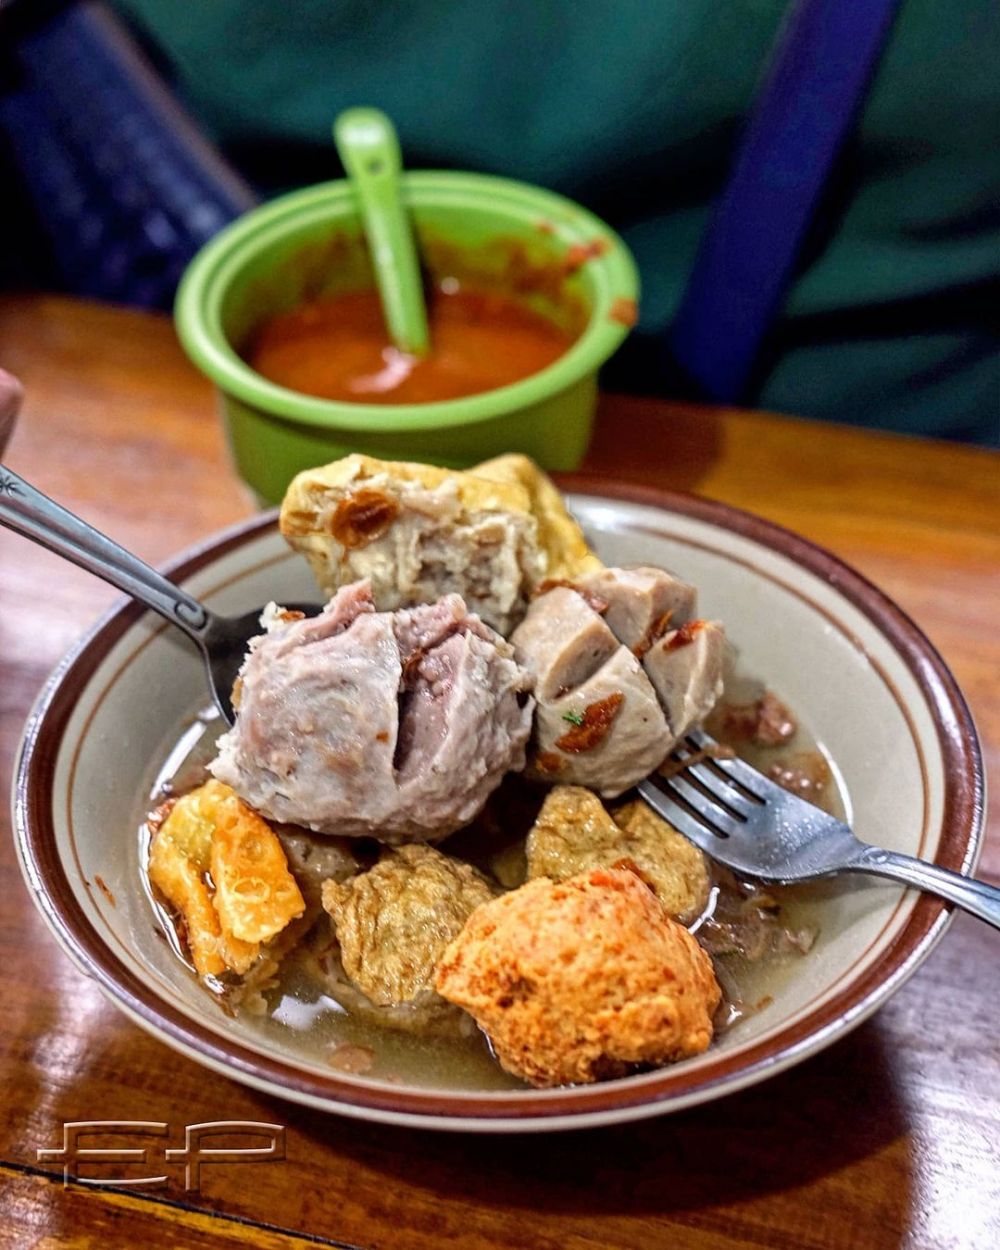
x=548, y=251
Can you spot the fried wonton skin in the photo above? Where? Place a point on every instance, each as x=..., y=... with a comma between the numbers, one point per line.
x=255, y=894
x=184, y=888
x=249, y=897
x=581, y=980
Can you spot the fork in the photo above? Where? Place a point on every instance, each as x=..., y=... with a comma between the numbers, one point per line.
x=222, y=640
x=750, y=824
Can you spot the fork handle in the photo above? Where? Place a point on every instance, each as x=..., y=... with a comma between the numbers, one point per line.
x=28, y=512
x=977, y=897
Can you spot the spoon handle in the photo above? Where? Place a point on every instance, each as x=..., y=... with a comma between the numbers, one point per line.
x=973, y=896
x=369, y=150
x=30, y=513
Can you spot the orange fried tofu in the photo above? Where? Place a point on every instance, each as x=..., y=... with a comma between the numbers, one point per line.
x=581, y=980
x=254, y=895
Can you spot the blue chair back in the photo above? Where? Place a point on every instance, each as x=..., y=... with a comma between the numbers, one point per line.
x=822, y=65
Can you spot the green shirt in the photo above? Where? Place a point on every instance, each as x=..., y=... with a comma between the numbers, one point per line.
x=633, y=108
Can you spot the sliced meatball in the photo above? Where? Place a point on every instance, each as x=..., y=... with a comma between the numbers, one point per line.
x=575, y=832
x=598, y=722
x=641, y=603
x=685, y=667
x=564, y=640
x=581, y=980
x=393, y=922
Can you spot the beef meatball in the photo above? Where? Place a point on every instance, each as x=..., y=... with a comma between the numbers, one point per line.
x=314, y=858
x=598, y=721
x=581, y=980
x=392, y=725
x=621, y=673
x=574, y=831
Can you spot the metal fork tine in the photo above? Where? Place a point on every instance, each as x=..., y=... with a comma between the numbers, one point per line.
x=682, y=820
x=713, y=813
x=721, y=789
x=749, y=778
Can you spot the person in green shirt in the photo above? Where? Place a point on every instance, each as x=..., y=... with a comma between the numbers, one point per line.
x=634, y=108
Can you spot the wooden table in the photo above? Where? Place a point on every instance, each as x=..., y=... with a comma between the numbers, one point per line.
x=890, y=1138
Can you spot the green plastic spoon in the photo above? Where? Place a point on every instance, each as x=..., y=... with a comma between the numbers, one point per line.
x=369, y=149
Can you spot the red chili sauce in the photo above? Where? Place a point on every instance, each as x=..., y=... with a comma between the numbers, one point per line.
x=338, y=348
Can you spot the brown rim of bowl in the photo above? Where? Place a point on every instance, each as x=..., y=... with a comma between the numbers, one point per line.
x=960, y=837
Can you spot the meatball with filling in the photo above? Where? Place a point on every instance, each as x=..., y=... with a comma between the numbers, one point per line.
x=581, y=980
x=392, y=725
x=574, y=831
x=392, y=925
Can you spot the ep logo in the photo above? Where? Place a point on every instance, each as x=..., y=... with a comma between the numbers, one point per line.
x=256, y=1142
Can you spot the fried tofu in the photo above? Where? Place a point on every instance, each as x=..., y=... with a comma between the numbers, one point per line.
x=250, y=895
x=575, y=832
x=418, y=532
x=563, y=545
x=581, y=980
x=674, y=868
x=393, y=922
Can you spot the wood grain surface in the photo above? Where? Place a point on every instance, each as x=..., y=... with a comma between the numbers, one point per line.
x=891, y=1138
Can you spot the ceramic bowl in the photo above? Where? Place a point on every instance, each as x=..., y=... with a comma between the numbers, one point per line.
x=863, y=678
